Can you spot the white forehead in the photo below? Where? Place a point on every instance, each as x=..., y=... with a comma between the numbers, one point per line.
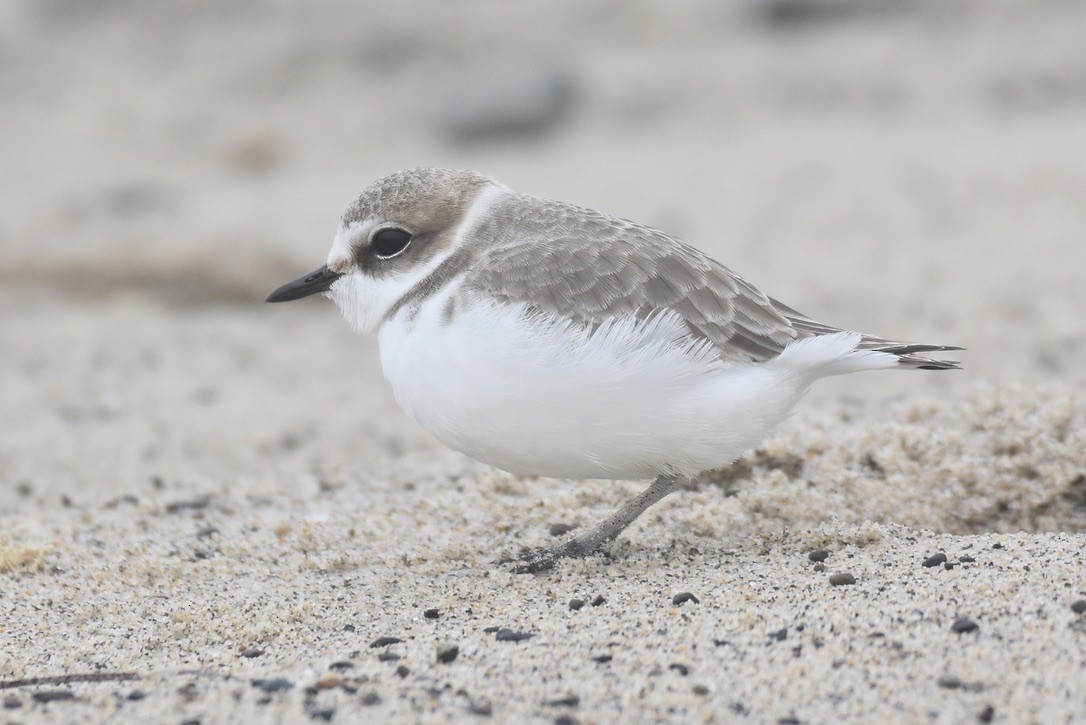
x=346, y=239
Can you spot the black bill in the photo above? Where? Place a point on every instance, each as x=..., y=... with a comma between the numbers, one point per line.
x=314, y=282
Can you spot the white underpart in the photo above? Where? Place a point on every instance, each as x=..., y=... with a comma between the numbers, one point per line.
x=535, y=394
x=365, y=300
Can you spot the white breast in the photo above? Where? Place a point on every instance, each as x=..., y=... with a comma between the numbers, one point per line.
x=533, y=394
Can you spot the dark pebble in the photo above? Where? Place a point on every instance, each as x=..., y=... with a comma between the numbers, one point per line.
x=790, y=720
x=507, y=635
x=701, y=690
x=576, y=604
x=567, y=701
x=840, y=580
x=251, y=652
x=997, y=546
x=818, y=555
x=603, y=659
x=1079, y=607
x=683, y=598
x=950, y=682
x=53, y=695
x=446, y=653
x=966, y=559
x=274, y=684
x=348, y=628
x=194, y=505
x=431, y=614
x=964, y=625
x=341, y=666
x=780, y=635
x=565, y=720
x=11, y=702
x=598, y=600
x=679, y=667
x=935, y=560
x=325, y=713
x=559, y=529
x=371, y=698
x=481, y=708
x=387, y=656
x=403, y=671
x=820, y=568
x=987, y=714
x=137, y=695
x=490, y=630
x=385, y=641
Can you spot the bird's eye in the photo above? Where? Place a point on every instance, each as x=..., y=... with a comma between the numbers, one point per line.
x=390, y=242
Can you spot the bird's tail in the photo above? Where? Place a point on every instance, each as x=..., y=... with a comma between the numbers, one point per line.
x=837, y=353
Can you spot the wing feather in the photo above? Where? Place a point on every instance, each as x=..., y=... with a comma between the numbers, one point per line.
x=590, y=267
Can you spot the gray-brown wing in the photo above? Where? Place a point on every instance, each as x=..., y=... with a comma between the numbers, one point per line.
x=591, y=267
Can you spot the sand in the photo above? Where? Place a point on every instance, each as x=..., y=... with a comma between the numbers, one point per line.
x=212, y=510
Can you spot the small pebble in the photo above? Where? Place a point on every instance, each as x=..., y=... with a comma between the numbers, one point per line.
x=11, y=702
x=559, y=529
x=483, y=708
x=598, y=600
x=820, y=568
x=966, y=559
x=403, y=671
x=818, y=555
x=683, y=598
x=570, y=700
x=53, y=695
x=701, y=690
x=324, y=713
x=387, y=656
x=603, y=659
x=987, y=714
x=565, y=720
x=431, y=614
x=576, y=604
x=385, y=641
x=490, y=630
x=935, y=560
x=997, y=546
x=507, y=635
x=371, y=698
x=341, y=666
x=251, y=652
x=950, y=682
x=964, y=625
x=348, y=628
x=780, y=635
x=679, y=667
x=840, y=580
x=137, y=695
x=275, y=684
x=327, y=682
x=1079, y=607
x=446, y=653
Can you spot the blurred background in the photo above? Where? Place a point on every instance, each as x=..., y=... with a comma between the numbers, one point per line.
x=913, y=168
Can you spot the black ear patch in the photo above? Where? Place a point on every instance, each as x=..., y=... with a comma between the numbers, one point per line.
x=390, y=242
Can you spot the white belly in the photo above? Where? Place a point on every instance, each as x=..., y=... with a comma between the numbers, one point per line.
x=533, y=395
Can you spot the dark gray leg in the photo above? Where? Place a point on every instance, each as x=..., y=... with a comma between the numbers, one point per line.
x=590, y=541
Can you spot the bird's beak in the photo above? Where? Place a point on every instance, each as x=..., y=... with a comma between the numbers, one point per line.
x=314, y=282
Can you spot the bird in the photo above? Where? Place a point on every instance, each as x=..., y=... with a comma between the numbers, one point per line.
x=551, y=340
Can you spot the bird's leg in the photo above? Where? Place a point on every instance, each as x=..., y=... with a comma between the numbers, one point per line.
x=588, y=542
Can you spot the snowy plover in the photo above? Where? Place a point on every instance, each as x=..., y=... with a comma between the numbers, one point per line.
x=546, y=339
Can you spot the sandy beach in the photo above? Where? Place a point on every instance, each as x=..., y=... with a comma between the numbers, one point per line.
x=212, y=510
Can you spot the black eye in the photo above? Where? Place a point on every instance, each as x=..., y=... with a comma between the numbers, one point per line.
x=390, y=242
